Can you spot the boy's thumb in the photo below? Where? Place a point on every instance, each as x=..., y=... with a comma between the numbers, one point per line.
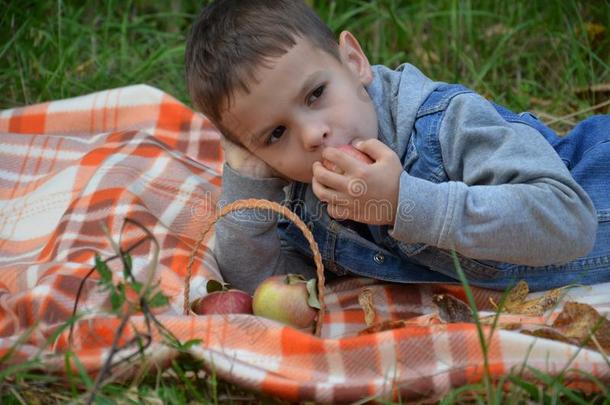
x=371, y=147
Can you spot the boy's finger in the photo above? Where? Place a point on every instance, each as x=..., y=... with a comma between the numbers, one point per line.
x=343, y=161
x=329, y=178
x=326, y=194
x=373, y=147
x=320, y=191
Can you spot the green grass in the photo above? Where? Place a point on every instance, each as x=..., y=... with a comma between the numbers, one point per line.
x=530, y=55
x=523, y=54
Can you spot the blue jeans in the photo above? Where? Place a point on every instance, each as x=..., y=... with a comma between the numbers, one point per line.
x=586, y=153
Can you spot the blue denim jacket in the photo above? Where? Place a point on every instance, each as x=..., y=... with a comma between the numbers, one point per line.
x=532, y=219
x=348, y=247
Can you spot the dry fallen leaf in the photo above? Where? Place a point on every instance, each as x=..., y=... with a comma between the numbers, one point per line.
x=579, y=321
x=506, y=322
x=594, y=88
x=549, y=333
x=538, y=306
x=365, y=299
x=496, y=30
x=452, y=309
x=383, y=326
x=578, y=324
x=594, y=30
x=514, y=297
x=516, y=303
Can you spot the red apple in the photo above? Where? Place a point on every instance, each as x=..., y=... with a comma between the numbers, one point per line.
x=289, y=299
x=222, y=299
x=223, y=302
x=350, y=150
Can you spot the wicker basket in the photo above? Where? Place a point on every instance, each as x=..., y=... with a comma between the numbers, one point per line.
x=270, y=205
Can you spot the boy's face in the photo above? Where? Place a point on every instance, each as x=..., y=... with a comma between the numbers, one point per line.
x=302, y=102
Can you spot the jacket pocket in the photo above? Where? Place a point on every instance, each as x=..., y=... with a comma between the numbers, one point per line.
x=441, y=260
x=411, y=155
x=603, y=215
x=410, y=249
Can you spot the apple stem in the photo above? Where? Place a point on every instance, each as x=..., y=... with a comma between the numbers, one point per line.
x=280, y=209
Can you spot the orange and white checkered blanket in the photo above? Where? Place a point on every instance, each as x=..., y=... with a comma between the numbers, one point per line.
x=69, y=166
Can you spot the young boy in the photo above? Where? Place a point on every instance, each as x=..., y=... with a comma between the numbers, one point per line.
x=451, y=170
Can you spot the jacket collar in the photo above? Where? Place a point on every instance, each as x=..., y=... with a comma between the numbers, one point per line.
x=397, y=95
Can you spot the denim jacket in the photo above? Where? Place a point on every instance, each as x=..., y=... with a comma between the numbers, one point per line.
x=477, y=178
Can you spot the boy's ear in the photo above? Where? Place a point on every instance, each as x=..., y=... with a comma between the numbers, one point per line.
x=353, y=57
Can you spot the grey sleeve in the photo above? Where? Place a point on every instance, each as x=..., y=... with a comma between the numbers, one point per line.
x=247, y=246
x=510, y=198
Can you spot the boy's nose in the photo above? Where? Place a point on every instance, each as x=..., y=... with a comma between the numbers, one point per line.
x=315, y=135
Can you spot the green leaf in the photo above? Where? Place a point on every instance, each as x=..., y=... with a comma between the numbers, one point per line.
x=190, y=343
x=158, y=300
x=117, y=298
x=128, y=265
x=127, y=258
x=102, y=268
x=529, y=388
x=214, y=285
x=312, y=297
x=82, y=372
x=454, y=395
x=137, y=286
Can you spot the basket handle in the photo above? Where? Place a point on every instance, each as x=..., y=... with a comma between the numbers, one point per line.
x=280, y=209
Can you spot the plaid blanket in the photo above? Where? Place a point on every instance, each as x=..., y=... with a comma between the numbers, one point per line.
x=70, y=167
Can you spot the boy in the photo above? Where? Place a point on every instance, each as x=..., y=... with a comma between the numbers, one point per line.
x=451, y=170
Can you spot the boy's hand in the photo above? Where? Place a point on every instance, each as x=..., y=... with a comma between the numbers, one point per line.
x=363, y=192
x=244, y=161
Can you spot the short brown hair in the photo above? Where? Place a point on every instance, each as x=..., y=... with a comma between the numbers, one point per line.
x=231, y=38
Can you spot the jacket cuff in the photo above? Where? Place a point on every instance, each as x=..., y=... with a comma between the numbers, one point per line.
x=422, y=211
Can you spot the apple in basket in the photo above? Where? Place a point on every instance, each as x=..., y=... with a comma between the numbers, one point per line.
x=222, y=299
x=350, y=150
x=289, y=299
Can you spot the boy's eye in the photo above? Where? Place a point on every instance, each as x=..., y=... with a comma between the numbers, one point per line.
x=317, y=93
x=277, y=132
